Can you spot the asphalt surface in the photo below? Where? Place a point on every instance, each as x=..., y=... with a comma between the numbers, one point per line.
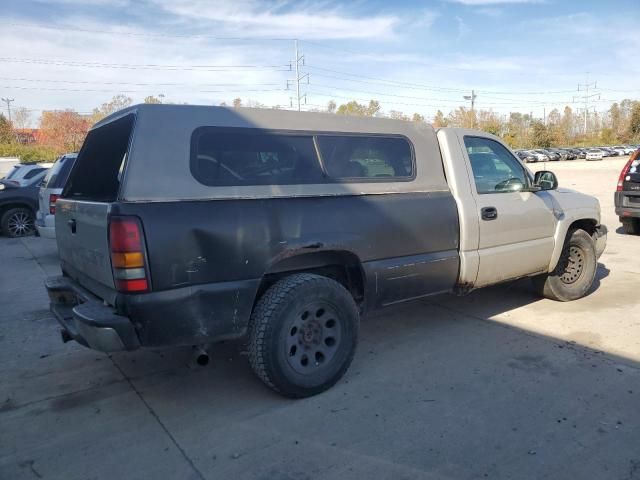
x=498, y=384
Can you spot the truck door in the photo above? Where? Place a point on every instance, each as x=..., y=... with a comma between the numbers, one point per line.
x=516, y=226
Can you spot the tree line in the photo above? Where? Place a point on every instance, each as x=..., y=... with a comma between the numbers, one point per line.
x=63, y=131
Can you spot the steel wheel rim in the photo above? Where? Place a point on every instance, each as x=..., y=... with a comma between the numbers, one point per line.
x=313, y=338
x=574, y=265
x=20, y=224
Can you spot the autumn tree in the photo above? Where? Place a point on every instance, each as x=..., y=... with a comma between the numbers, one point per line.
x=154, y=100
x=490, y=122
x=417, y=118
x=63, y=130
x=359, y=110
x=439, y=120
x=237, y=102
x=397, y=115
x=118, y=102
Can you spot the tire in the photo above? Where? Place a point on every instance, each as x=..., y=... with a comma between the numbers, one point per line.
x=573, y=276
x=631, y=226
x=18, y=222
x=303, y=334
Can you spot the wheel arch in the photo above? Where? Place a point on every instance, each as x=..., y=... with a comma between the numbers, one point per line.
x=342, y=266
x=586, y=223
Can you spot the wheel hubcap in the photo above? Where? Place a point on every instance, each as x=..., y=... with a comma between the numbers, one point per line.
x=313, y=338
x=20, y=224
x=574, y=265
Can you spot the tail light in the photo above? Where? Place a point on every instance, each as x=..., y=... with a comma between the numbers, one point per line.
x=624, y=172
x=52, y=203
x=126, y=242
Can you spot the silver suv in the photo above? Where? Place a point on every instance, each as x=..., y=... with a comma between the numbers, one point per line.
x=50, y=190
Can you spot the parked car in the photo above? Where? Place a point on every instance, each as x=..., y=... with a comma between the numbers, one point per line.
x=22, y=174
x=561, y=153
x=541, y=155
x=553, y=156
x=620, y=150
x=224, y=224
x=50, y=190
x=608, y=152
x=526, y=156
x=627, y=196
x=581, y=153
x=628, y=149
x=18, y=205
x=594, y=154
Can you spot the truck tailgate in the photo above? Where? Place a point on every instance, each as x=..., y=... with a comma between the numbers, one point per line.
x=82, y=232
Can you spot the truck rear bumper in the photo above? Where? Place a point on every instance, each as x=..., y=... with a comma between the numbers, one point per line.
x=86, y=319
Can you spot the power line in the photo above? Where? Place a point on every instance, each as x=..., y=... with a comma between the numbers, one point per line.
x=298, y=62
x=133, y=66
x=60, y=89
x=586, y=98
x=8, y=101
x=153, y=84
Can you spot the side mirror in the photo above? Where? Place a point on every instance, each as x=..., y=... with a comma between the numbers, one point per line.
x=545, y=180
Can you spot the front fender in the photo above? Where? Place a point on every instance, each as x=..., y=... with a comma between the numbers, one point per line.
x=564, y=224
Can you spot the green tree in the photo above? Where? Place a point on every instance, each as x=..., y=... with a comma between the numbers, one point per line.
x=417, y=118
x=118, y=102
x=540, y=135
x=634, y=122
x=6, y=130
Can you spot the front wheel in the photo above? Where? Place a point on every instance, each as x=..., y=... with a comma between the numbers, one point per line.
x=576, y=269
x=303, y=334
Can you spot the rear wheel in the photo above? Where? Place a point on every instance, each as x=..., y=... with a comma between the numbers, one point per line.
x=631, y=226
x=303, y=335
x=18, y=222
x=576, y=269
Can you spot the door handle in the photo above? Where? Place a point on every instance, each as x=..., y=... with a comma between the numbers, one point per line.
x=72, y=225
x=489, y=213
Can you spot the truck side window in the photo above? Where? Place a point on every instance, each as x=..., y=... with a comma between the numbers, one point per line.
x=495, y=170
x=241, y=156
x=366, y=157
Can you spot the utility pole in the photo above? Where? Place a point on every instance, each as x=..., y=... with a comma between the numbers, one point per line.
x=586, y=98
x=472, y=97
x=8, y=102
x=299, y=61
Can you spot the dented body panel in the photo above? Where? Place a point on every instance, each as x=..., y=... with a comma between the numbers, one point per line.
x=210, y=252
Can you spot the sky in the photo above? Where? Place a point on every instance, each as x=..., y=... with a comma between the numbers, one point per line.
x=413, y=56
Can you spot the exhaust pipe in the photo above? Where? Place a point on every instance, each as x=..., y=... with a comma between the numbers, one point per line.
x=200, y=356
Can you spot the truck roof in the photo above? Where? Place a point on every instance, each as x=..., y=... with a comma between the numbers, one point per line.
x=268, y=118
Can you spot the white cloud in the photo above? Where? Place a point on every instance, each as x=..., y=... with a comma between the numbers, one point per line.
x=251, y=18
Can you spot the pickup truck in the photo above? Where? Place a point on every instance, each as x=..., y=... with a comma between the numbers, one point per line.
x=190, y=225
